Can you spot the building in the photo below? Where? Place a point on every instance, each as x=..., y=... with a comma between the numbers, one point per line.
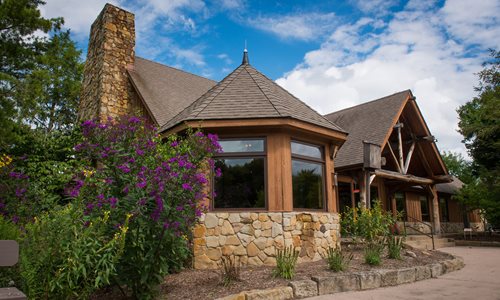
x=278, y=186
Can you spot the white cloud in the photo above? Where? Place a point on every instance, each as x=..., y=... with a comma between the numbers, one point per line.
x=232, y=4
x=377, y=7
x=304, y=26
x=225, y=58
x=415, y=50
x=78, y=16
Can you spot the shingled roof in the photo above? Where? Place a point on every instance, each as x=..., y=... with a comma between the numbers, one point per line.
x=166, y=91
x=248, y=94
x=370, y=121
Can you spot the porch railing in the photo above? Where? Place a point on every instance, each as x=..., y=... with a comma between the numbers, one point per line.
x=413, y=220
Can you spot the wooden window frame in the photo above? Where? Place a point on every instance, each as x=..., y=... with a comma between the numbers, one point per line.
x=236, y=155
x=315, y=160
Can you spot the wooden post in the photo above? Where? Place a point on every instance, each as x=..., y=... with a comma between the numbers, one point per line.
x=436, y=222
x=362, y=188
x=400, y=141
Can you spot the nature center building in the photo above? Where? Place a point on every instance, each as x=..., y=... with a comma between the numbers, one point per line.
x=279, y=183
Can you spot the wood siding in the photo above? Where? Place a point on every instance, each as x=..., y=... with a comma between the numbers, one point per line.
x=413, y=206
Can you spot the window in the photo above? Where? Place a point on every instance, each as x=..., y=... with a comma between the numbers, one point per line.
x=424, y=208
x=374, y=196
x=242, y=183
x=307, y=176
x=401, y=204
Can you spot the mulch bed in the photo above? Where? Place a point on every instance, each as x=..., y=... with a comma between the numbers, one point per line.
x=206, y=284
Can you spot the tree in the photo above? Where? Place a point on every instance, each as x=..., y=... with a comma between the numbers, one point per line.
x=480, y=126
x=21, y=42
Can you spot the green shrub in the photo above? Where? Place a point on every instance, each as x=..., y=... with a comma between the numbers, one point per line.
x=229, y=269
x=160, y=183
x=394, y=246
x=367, y=224
x=373, y=253
x=338, y=260
x=63, y=258
x=286, y=260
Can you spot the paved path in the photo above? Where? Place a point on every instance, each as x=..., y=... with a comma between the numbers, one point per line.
x=478, y=280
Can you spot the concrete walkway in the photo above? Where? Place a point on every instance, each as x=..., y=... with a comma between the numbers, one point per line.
x=478, y=280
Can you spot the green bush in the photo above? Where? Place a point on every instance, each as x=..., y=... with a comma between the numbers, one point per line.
x=286, y=260
x=159, y=183
x=373, y=253
x=367, y=224
x=63, y=258
x=338, y=260
x=394, y=246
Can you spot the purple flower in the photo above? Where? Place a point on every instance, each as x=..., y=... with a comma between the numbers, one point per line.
x=218, y=172
x=179, y=208
x=124, y=168
x=139, y=152
x=141, y=202
x=174, y=144
x=113, y=201
x=108, y=180
x=187, y=187
x=125, y=190
x=15, y=219
x=200, y=177
x=20, y=192
x=199, y=134
x=134, y=120
x=141, y=184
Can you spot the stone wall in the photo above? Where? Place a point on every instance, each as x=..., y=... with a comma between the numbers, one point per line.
x=254, y=237
x=106, y=89
x=446, y=227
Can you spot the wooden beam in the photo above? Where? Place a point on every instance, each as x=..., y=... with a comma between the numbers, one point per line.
x=400, y=147
x=403, y=177
x=408, y=157
x=394, y=157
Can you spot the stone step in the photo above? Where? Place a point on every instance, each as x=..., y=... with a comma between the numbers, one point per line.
x=426, y=242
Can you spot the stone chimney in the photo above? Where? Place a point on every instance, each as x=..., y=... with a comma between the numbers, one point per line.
x=106, y=88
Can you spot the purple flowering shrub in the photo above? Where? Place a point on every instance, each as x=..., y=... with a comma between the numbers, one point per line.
x=159, y=184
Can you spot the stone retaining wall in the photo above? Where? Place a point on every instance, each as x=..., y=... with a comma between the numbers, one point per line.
x=254, y=237
x=447, y=227
x=351, y=282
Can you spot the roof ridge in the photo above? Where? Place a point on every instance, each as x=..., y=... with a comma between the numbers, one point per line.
x=220, y=84
x=367, y=102
x=265, y=94
x=170, y=67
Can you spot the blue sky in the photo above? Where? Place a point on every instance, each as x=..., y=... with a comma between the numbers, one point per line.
x=330, y=54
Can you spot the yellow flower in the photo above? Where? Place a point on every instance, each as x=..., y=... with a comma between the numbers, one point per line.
x=88, y=172
x=5, y=160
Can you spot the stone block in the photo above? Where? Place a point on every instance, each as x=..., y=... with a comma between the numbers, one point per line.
x=227, y=228
x=276, y=217
x=214, y=254
x=436, y=270
x=263, y=217
x=406, y=275
x=245, y=239
x=252, y=250
x=388, y=277
x=261, y=243
x=304, y=288
x=336, y=284
x=369, y=280
x=254, y=261
x=422, y=273
x=276, y=230
x=211, y=220
x=279, y=293
x=232, y=240
x=199, y=231
x=240, y=296
x=247, y=229
x=234, y=218
x=212, y=241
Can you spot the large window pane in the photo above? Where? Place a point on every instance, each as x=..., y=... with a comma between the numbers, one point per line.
x=241, y=184
x=400, y=204
x=307, y=181
x=250, y=145
x=306, y=150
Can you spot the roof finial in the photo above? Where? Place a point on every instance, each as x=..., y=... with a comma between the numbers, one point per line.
x=245, y=55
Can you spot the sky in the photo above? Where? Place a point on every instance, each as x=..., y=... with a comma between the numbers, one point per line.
x=330, y=54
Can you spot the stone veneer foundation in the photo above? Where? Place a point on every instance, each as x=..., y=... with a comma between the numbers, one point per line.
x=255, y=236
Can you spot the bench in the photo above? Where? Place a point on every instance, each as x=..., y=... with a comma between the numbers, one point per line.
x=9, y=255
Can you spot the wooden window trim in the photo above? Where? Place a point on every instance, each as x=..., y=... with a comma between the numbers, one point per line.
x=315, y=161
x=237, y=155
